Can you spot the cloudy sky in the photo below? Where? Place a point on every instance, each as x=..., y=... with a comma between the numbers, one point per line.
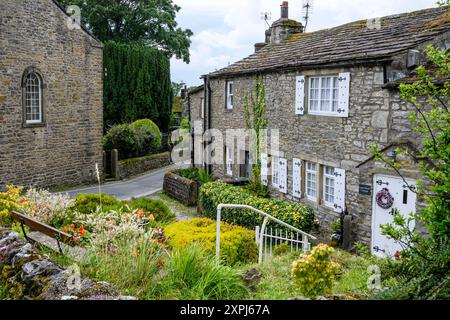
x=226, y=30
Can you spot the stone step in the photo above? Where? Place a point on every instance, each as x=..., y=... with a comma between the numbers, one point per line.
x=75, y=253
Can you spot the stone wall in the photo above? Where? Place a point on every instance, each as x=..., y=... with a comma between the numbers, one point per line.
x=181, y=189
x=132, y=167
x=377, y=116
x=65, y=149
x=27, y=274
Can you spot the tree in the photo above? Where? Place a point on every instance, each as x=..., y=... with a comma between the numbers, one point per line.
x=149, y=22
x=423, y=272
x=136, y=85
x=256, y=119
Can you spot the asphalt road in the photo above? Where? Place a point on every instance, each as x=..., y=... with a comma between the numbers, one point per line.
x=138, y=187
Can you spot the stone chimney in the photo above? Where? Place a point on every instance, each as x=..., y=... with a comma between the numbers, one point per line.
x=284, y=27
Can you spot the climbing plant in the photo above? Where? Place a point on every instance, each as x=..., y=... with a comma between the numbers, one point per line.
x=137, y=85
x=256, y=119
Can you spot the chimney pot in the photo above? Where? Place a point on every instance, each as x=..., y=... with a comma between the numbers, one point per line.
x=285, y=10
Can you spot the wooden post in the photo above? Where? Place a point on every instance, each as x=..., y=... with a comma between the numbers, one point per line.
x=115, y=163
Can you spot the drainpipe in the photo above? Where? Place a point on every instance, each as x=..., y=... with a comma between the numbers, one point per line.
x=191, y=128
x=205, y=90
x=209, y=114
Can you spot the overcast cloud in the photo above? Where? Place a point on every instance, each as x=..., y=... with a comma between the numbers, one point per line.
x=226, y=30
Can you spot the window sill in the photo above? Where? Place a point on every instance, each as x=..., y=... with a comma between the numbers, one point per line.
x=33, y=125
x=333, y=115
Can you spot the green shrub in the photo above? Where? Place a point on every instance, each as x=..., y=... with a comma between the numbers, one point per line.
x=185, y=124
x=10, y=200
x=123, y=138
x=214, y=193
x=416, y=277
x=237, y=243
x=199, y=175
x=155, y=207
x=192, y=273
x=315, y=272
x=148, y=136
x=281, y=249
x=88, y=203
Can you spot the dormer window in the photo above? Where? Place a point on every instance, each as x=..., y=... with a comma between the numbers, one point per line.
x=229, y=95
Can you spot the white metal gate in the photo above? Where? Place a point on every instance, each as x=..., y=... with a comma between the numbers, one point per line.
x=268, y=239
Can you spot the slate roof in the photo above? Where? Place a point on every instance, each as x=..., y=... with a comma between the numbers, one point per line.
x=352, y=42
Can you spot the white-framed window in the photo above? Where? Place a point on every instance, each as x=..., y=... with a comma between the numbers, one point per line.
x=324, y=95
x=311, y=181
x=33, y=99
x=229, y=161
x=230, y=95
x=202, y=108
x=275, y=172
x=329, y=179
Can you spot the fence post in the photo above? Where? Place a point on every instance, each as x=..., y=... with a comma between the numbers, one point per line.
x=219, y=213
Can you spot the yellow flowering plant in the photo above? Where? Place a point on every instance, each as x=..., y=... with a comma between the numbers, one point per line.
x=10, y=200
x=315, y=272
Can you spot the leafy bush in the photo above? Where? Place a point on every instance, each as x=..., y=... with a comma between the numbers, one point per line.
x=192, y=273
x=315, y=272
x=157, y=208
x=88, y=203
x=148, y=136
x=123, y=138
x=237, y=243
x=199, y=175
x=214, y=193
x=417, y=277
x=9, y=201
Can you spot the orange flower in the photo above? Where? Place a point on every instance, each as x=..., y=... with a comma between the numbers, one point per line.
x=72, y=226
x=81, y=229
x=83, y=233
x=65, y=230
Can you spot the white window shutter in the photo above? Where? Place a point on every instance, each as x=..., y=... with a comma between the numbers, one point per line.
x=339, y=190
x=297, y=178
x=344, y=94
x=283, y=175
x=264, y=169
x=300, y=95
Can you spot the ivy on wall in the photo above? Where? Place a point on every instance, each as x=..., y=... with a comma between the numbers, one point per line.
x=137, y=85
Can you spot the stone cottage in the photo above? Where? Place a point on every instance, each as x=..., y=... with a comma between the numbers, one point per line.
x=51, y=91
x=331, y=94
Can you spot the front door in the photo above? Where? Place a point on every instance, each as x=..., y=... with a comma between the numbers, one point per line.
x=389, y=193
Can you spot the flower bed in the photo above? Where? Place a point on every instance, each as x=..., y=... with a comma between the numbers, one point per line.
x=215, y=193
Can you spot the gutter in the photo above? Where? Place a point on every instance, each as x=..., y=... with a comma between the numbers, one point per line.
x=288, y=68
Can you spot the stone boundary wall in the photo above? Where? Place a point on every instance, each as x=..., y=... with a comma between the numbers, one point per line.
x=181, y=189
x=29, y=275
x=135, y=166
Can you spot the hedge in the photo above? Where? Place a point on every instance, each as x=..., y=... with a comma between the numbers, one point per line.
x=237, y=243
x=214, y=193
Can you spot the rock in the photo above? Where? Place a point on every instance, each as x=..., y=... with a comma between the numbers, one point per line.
x=29, y=275
x=252, y=278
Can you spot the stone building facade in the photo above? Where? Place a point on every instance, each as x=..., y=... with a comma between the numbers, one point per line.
x=51, y=92
x=324, y=159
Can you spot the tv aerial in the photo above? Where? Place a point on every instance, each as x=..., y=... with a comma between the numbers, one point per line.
x=307, y=10
x=266, y=16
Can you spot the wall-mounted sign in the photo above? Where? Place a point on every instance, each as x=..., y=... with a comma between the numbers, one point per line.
x=365, y=189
